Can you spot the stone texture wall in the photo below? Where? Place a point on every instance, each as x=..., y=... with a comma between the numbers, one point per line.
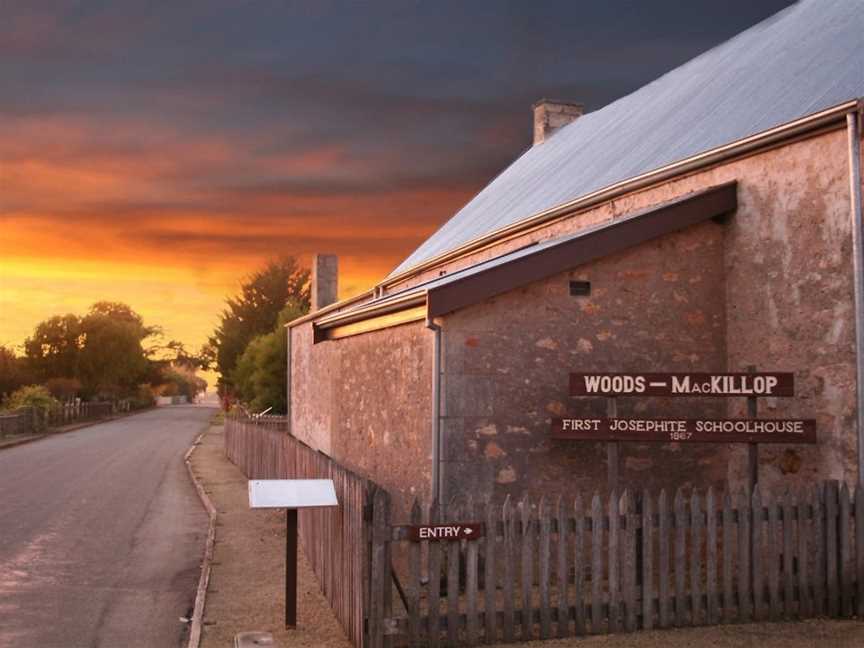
x=367, y=402
x=660, y=305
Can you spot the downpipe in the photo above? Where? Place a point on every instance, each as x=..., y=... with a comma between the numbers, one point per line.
x=436, y=407
x=853, y=122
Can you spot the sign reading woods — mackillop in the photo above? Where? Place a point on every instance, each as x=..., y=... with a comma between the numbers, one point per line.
x=682, y=384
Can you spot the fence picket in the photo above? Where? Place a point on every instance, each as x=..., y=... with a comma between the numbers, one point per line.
x=663, y=542
x=453, y=586
x=434, y=604
x=596, y=565
x=774, y=547
x=490, y=573
x=647, y=561
x=544, y=550
x=744, y=599
x=380, y=568
x=831, y=577
x=527, y=568
x=845, y=559
x=614, y=574
x=563, y=626
x=414, y=587
x=695, y=558
x=508, y=516
x=819, y=532
x=471, y=559
x=680, y=560
x=789, y=505
x=757, y=550
x=579, y=565
x=805, y=607
x=628, y=562
x=711, y=557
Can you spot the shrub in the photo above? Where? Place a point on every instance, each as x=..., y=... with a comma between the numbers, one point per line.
x=36, y=397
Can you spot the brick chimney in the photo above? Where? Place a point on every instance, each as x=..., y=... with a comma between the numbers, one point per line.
x=325, y=280
x=550, y=115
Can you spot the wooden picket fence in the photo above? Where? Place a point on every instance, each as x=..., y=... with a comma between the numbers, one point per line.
x=335, y=540
x=618, y=564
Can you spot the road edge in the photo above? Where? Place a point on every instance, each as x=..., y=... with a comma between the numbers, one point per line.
x=197, y=622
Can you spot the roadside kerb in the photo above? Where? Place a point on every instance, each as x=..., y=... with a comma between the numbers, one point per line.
x=197, y=621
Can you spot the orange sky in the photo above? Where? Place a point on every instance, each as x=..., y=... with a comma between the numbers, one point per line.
x=85, y=220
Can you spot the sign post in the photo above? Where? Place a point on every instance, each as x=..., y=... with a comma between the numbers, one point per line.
x=753, y=447
x=612, y=447
x=291, y=494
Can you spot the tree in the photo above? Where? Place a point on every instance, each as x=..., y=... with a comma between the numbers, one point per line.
x=13, y=372
x=255, y=311
x=112, y=359
x=54, y=349
x=104, y=350
x=260, y=377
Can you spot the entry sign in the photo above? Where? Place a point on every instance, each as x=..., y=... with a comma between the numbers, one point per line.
x=454, y=531
x=682, y=384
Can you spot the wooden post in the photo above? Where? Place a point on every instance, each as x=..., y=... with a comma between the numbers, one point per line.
x=612, y=449
x=752, y=448
x=291, y=568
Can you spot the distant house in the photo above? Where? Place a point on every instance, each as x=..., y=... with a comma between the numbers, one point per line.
x=701, y=223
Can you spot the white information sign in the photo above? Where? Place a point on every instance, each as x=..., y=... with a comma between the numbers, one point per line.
x=291, y=493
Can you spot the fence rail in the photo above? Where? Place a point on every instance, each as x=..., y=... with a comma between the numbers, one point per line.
x=28, y=420
x=335, y=540
x=572, y=567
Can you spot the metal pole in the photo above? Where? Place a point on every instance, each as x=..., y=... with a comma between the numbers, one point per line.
x=291, y=568
x=436, y=410
x=854, y=131
x=612, y=448
x=752, y=448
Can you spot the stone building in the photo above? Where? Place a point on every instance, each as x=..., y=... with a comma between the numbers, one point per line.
x=705, y=222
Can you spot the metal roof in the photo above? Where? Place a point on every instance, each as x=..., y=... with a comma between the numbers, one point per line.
x=805, y=59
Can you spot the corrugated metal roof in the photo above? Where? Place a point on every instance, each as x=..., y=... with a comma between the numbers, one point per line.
x=805, y=59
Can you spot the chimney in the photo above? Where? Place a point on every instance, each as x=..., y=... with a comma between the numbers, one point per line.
x=550, y=115
x=325, y=280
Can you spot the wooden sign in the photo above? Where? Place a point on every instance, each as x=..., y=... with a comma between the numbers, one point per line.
x=689, y=430
x=453, y=531
x=682, y=384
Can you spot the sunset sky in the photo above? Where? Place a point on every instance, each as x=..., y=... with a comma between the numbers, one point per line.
x=156, y=152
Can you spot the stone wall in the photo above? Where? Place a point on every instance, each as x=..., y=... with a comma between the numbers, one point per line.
x=658, y=306
x=367, y=402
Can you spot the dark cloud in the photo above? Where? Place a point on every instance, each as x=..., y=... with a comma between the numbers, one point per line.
x=296, y=113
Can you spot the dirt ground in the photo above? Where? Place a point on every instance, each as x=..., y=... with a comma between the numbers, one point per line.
x=247, y=586
x=247, y=583
x=805, y=634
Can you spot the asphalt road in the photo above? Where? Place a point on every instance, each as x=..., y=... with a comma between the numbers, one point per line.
x=101, y=534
